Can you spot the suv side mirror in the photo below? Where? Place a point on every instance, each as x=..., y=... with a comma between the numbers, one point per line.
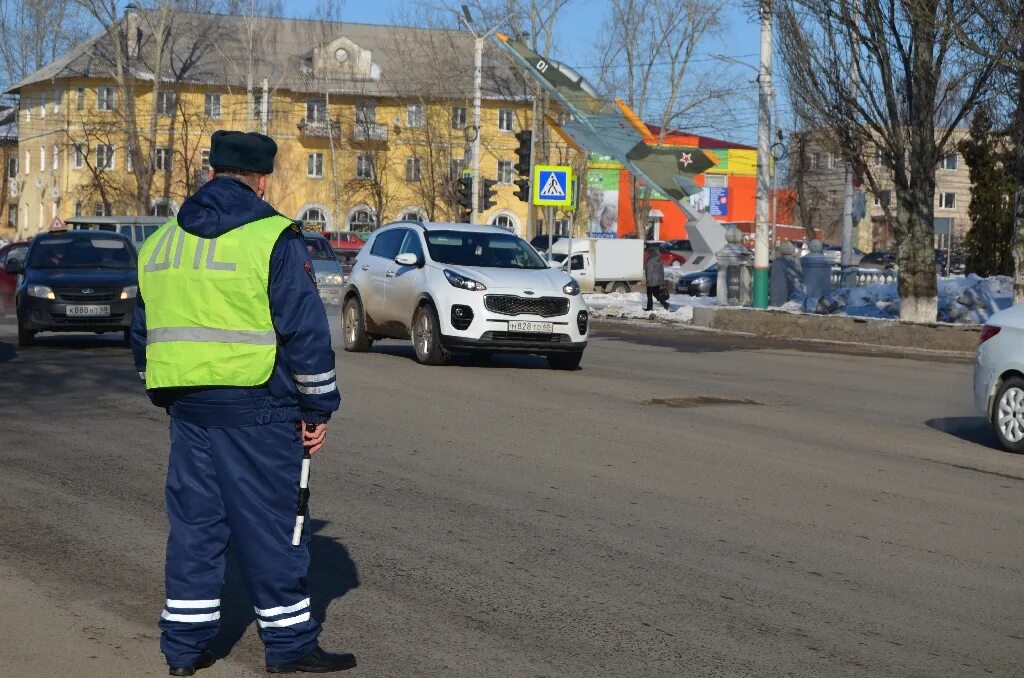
x=14, y=266
x=407, y=259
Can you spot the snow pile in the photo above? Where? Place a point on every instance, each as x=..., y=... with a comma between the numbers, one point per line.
x=630, y=305
x=962, y=299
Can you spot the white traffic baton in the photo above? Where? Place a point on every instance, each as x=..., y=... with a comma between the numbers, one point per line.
x=300, y=512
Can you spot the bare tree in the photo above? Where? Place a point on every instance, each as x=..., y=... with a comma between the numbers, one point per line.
x=914, y=85
x=35, y=33
x=648, y=53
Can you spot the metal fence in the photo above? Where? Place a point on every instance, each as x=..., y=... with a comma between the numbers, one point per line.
x=865, y=277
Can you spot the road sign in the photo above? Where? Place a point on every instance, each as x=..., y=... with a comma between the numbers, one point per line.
x=552, y=185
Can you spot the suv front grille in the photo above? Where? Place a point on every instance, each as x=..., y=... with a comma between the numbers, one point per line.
x=506, y=304
x=96, y=295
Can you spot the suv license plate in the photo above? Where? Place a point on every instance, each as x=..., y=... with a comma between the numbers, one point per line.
x=88, y=310
x=528, y=326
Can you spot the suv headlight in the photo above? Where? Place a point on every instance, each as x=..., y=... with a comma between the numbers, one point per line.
x=130, y=292
x=572, y=288
x=331, y=279
x=462, y=282
x=40, y=292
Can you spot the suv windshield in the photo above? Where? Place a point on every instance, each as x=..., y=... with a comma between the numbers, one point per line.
x=77, y=252
x=483, y=250
x=318, y=248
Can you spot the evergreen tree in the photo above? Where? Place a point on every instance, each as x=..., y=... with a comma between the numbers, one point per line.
x=990, y=160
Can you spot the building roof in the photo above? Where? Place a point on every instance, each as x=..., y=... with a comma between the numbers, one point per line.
x=8, y=124
x=298, y=55
x=702, y=141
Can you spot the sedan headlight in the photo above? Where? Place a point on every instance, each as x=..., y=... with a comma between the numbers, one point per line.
x=702, y=281
x=572, y=288
x=130, y=292
x=462, y=282
x=40, y=292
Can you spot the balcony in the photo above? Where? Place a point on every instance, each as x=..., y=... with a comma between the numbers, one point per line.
x=320, y=129
x=369, y=132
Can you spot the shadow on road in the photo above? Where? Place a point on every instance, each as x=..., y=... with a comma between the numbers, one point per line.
x=332, y=574
x=7, y=352
x=970, y=429
x=512, y=360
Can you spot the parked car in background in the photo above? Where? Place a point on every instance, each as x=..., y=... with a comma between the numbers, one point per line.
x=673, y=259
x=344, y=240
x=881, y=260
x=75, y=281
x=14, y=251
x=998, y=380
x=678, y=246
x=329, y=276
x=540, y=242
x=835, y=254
x=699, y=284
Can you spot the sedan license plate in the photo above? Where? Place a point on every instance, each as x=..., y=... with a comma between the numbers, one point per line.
x=529, y=326
x=88, y=310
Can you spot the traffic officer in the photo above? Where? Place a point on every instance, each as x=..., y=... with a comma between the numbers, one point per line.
x=231, y=338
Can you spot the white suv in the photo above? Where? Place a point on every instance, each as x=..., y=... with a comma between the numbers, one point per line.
x=457, y=287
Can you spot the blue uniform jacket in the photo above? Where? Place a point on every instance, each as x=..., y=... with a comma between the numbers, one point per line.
x=303, y=384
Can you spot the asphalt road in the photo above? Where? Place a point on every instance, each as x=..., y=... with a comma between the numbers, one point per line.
x=688, y=504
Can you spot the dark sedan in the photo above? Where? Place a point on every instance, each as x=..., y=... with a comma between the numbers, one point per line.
x=699, y=284
x=75, y=281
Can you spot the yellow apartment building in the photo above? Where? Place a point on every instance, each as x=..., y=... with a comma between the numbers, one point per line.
x=372, y=122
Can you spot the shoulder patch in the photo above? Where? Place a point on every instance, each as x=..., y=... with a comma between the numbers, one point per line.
x=295, y=226
x=309, y=271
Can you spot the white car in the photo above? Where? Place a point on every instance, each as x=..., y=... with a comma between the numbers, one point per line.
x=458, y=287
x=999, y=376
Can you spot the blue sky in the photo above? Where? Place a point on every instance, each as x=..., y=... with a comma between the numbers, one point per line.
x=580, y=21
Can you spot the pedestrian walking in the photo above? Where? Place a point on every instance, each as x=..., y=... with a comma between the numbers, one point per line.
x=231, y=338
x=654, y=271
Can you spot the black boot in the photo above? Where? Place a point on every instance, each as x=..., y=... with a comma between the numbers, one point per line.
x=204, y=661
x=317, y=661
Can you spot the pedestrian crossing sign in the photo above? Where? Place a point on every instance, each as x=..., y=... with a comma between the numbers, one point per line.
x=552, y=185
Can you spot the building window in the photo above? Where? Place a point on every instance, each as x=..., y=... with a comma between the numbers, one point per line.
x=56, y=156
x=257, y=106
x=366, y=112
x=28, y=162
x=12, y=167
x=456, y=166
x=80, y=99
x=105, y=99
x=79, y=208
x=413, y=169
x=361, y=220
x=459, y=117
x=364, y=167
x=42, y=158
x=315, y=165
x=504, y=171
x=162, y=159
x=878, y=158
x=28, y=113
x=78, y=156
x=883, y=198
x=58, y=94
x=504, y=221
x=816, y=161
x=834, y=161
x=411, y=215
x=316, y=111
x=102, y=209
x=949, y=162
x=211, y=106
x=165, y=103
x=204, y=160
x=314, y=217
x=161, y=208
x=947, y=201
x=104, y=157
x=414, y=115
x=12, y=216
x=42, y=106
x=506, y=119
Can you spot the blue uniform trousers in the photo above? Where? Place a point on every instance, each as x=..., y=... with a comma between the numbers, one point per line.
x=239, y=484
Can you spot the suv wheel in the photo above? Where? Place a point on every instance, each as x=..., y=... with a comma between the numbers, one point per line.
x=26, y=337
x=565, y=361
x=353, y=327
x=426, y=337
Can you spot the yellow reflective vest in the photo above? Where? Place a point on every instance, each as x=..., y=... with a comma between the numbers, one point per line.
x=207, y=305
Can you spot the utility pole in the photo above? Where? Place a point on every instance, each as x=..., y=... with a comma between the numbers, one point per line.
x=764, y=124
x=846, y=256
x=478, y=60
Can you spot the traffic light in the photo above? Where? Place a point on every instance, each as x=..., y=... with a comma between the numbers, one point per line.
x=488, y=194
x=525, y=139
x=464, y=193
x=522, y=189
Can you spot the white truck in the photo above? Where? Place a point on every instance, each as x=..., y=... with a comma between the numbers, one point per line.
x=602, y=264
